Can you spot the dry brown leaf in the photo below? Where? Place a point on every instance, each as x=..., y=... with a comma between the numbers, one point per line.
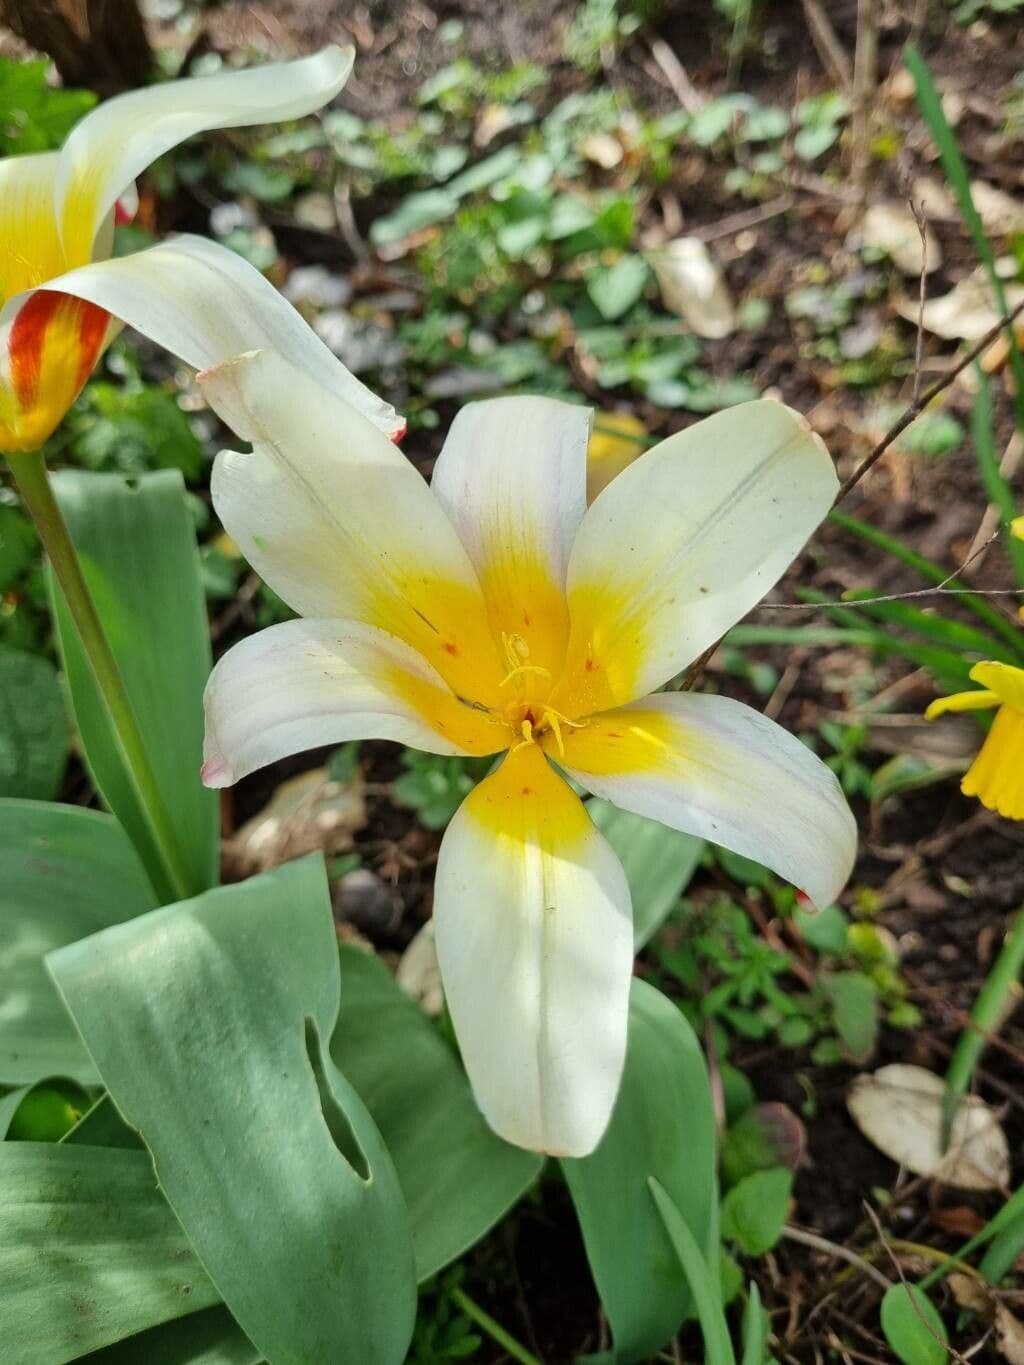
x=693, y=287
x=419, y=974
x=999, y=211
x=899, y=1109
x=892, y=228
x=966, y=313
x=307, y=814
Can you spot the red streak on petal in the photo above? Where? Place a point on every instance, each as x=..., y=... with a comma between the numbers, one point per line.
x=28, y=337
x=92, y=329
x=399, y=434
x=122, y=215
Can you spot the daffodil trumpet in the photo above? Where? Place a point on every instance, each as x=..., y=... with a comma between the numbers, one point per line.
x=996, y=777
x=64, y=298
x=495, y=613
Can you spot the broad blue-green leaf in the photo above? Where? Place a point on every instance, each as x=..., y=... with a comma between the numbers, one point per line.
x=89, y=1252
x=658, y=863
x=209, y=1022
x=702, y=1281
x=457, y=1176
x=912, y=1326
x=663, y=1127
x=33, y=726
x=755, y=1209
x=9, y=1107
x=66, y=873
x=138, y=551
x=210, y=1337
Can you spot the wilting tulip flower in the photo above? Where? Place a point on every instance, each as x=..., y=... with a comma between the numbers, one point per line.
x=996, y=777
x=495, y=613
x=199, y=300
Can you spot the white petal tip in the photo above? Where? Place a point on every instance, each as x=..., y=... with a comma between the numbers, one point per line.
x=215, y=772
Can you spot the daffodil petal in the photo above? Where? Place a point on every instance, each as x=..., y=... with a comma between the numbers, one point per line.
x=535, y=941
x=996, y=777
x=340, y=524
x=978, y=700
x=1006, y=681
x=716, y=768
x=1017, y=527
x=683, y=543
x=206, y=305
x=122, y=136
x=302, y=684
x=512, y=477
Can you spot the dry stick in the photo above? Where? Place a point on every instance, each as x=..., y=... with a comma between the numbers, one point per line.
x=990, y=521
x=903, y=1281
x=811, y=1239
x=827, y=45
x=865, y=82
x=675, y=73
x=915, y=409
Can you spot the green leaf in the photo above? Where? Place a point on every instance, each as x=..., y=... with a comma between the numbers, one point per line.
x=663, y=1127
x=33, y=726
x=45, y=1113
x=755, y=1329
x=703, y=1283
x=826, y=930
x=138, y=551
x=754, y=1210
x=613, y=289
x=418, y=211
x=209, y=1022
x=18, y=545
x=854, y=999
x=658, y=862
x=912, y=1326
x=209, y=1337
x=457, y=1176
x=953, y=164
x=1000, y=493
x=89, y=1252
x=66, y=873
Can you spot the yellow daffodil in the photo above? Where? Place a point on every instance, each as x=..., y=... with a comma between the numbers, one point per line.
x=494, y=612
x=1017, y=527
x=996, y=777
x=64, y=299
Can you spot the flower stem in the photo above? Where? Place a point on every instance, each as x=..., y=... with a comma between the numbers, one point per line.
x=33, y=483
x=493, y=1329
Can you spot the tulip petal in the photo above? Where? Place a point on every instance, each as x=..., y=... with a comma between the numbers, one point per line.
x=340, y=524
x=535, y=941
x=713, y=767
x=512, y=477
x=1006, y=681
x=30, y=248
x=206, y=305
x=302, y=684
x=121, y=137
x=683, y=543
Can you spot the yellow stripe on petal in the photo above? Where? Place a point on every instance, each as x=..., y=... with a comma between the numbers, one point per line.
x=980, y=700
x=996, y=777
x=526, y=802
x=1004, y=680
x=30, y=249
x=630, y=740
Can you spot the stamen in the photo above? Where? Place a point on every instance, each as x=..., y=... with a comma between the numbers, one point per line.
x=525, y=668
x=526, y=730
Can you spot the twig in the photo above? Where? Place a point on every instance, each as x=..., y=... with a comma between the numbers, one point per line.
x=865, y=82
x=915, y=209
x=675, y=73
x=827, y=45
x=747, y=218
x=811, y=1239
x=990, y=521
x=918, y=406
x=903, y=1281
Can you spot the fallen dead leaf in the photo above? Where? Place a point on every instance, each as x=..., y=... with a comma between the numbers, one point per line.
x=966, y=313
x=999, y=212
x=602, y=149
x=419, y=974
x=693, y=287
x=892, y=228
x=306, y=814
x=899, y=1109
